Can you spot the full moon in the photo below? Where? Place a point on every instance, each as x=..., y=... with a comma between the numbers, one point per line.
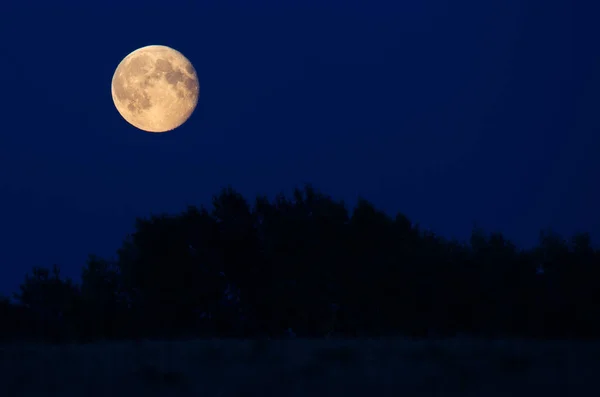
x=155, y=88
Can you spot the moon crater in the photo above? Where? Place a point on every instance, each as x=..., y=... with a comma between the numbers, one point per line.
x=155, y=88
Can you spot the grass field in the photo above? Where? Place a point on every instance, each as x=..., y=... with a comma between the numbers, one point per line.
x=220, y=368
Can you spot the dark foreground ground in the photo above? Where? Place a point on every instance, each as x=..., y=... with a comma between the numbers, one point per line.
x=222, y=368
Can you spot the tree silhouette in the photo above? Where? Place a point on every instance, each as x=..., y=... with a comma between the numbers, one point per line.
x=310, y=264
x=52, y=300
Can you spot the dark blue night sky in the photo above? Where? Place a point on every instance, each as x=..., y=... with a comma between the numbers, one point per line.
x=452, y=112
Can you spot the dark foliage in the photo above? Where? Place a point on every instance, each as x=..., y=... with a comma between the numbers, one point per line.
x=306, y=264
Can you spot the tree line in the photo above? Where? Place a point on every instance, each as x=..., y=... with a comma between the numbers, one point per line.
x=309, y=264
